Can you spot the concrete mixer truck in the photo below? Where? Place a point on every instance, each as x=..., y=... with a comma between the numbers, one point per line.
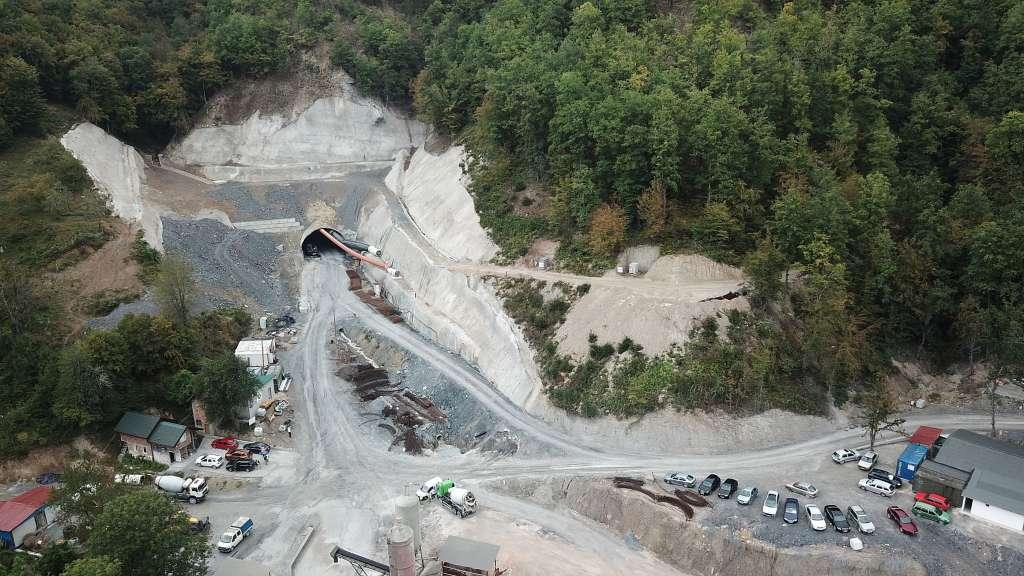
x=459, y=500
x=191, y=490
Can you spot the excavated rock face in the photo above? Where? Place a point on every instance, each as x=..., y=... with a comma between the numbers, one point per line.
x=333, y=136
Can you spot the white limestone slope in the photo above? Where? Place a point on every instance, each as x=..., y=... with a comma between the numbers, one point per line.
x=433, y=190
x=330, y=138
x=119, y=172
x=458, y=312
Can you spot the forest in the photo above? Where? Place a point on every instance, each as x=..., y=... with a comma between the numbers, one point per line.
x=862, y=161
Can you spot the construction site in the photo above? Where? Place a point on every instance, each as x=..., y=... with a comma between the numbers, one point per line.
x=423, y=440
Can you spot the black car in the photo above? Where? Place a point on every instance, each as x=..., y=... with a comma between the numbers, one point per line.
x=836, y=518
x=729, y=487
x=261, y=448
x=791, y=511
x=709, y=485
x=242, y=465
x=885, y=476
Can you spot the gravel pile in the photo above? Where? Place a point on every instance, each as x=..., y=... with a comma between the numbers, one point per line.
x=469, y=426
x=228, y=262
x=264, y=201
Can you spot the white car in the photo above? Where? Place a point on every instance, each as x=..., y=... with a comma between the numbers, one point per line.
x=867, y=461
x=816, y=518
x=210, y=461
x=844, y=455
x=805, y=488
x=771, y=504
x=876, y=486
x=859, y=518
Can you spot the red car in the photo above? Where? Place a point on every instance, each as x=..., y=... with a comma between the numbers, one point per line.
x=903, y=520
x=226, y=443
x=937, y=500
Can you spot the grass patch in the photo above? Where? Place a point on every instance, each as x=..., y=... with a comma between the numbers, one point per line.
x=106, y=301
x=147, y=257
x=129, y=464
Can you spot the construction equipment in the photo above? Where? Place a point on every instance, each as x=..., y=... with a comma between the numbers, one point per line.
x=191, y=490
x=359, y=563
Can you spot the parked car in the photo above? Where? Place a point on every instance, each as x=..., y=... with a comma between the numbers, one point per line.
x=242, y=465
x=226, y=443
x=709, y=485
x=791, y=511
x=859, y=518
x=923, y=510
x=876, y=486
x=937, y=500
x=260, y=448
x=49, y=478
x=867, y=461
x=815, y=517
x=747, y=495
x=210, y=461
x=894, y=480
x=805, y=488
x=903, y=520
x=237, y=454
x=771, y=504
x=728, y=488
x=680, y=479
x=835, y=517
x=844, y=455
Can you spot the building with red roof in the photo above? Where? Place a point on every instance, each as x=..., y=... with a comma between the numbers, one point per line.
x=25, y=514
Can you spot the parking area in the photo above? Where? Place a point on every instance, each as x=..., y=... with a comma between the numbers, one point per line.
x=961, y=548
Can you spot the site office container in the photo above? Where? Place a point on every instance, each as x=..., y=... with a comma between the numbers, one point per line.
x=912, y=457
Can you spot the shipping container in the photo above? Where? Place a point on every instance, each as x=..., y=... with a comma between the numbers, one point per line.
x=912, y=457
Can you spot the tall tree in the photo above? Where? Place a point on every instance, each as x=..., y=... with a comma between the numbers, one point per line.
x=175, y=289
x=224, y=383
x=97, y=566
x=879, y=412
x=149, y=536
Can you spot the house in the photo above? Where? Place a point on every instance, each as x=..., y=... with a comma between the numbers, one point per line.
x=462, y=556
x=257, y=353
x=149, y=437
x=25, y=514
x=249, y=412
x=994, y=492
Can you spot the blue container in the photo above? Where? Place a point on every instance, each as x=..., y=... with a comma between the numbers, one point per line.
x=912, y=457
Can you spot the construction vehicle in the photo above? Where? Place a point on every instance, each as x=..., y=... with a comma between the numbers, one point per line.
x=235, y=533
x=191, y=490
x=459, y=500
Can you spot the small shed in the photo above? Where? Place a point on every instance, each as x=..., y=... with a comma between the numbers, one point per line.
x=911, y=458
x=941, y=479
x=257, y=352
x=462, y=556
x=927, y=436
x=25, y=514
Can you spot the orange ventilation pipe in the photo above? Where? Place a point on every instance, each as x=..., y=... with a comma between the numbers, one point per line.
x=368, y=259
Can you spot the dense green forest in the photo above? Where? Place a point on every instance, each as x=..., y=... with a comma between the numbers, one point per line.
x=862, y=160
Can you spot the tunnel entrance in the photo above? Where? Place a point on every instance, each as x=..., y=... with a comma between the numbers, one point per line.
x=329, y=240
x=315, y=243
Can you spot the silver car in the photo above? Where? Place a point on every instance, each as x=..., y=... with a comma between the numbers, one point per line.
x=805, y=488
x=876, y=486
x=867, y=461
x=859, y=518
x=747, y=495
x=680, y=479
x=844, y=455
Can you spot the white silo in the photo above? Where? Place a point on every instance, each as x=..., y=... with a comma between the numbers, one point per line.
x=407, y=511
x=401, y=554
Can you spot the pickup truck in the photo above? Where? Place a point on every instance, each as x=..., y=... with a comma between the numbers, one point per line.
x=235, y=533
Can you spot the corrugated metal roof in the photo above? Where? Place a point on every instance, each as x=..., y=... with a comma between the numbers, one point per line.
x=996, y=490
x=136, y=424
x=37, y=496
x=167, y=434
x=968, y=451
x=925, y=435
x=933, y=469
x=469, y=553
x=14, y=514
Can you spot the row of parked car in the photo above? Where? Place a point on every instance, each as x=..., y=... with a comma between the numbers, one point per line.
x=927, y=505
x=238, y=458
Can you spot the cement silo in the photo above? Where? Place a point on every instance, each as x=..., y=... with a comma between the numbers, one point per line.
x=407, y=511
x=401, y=554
